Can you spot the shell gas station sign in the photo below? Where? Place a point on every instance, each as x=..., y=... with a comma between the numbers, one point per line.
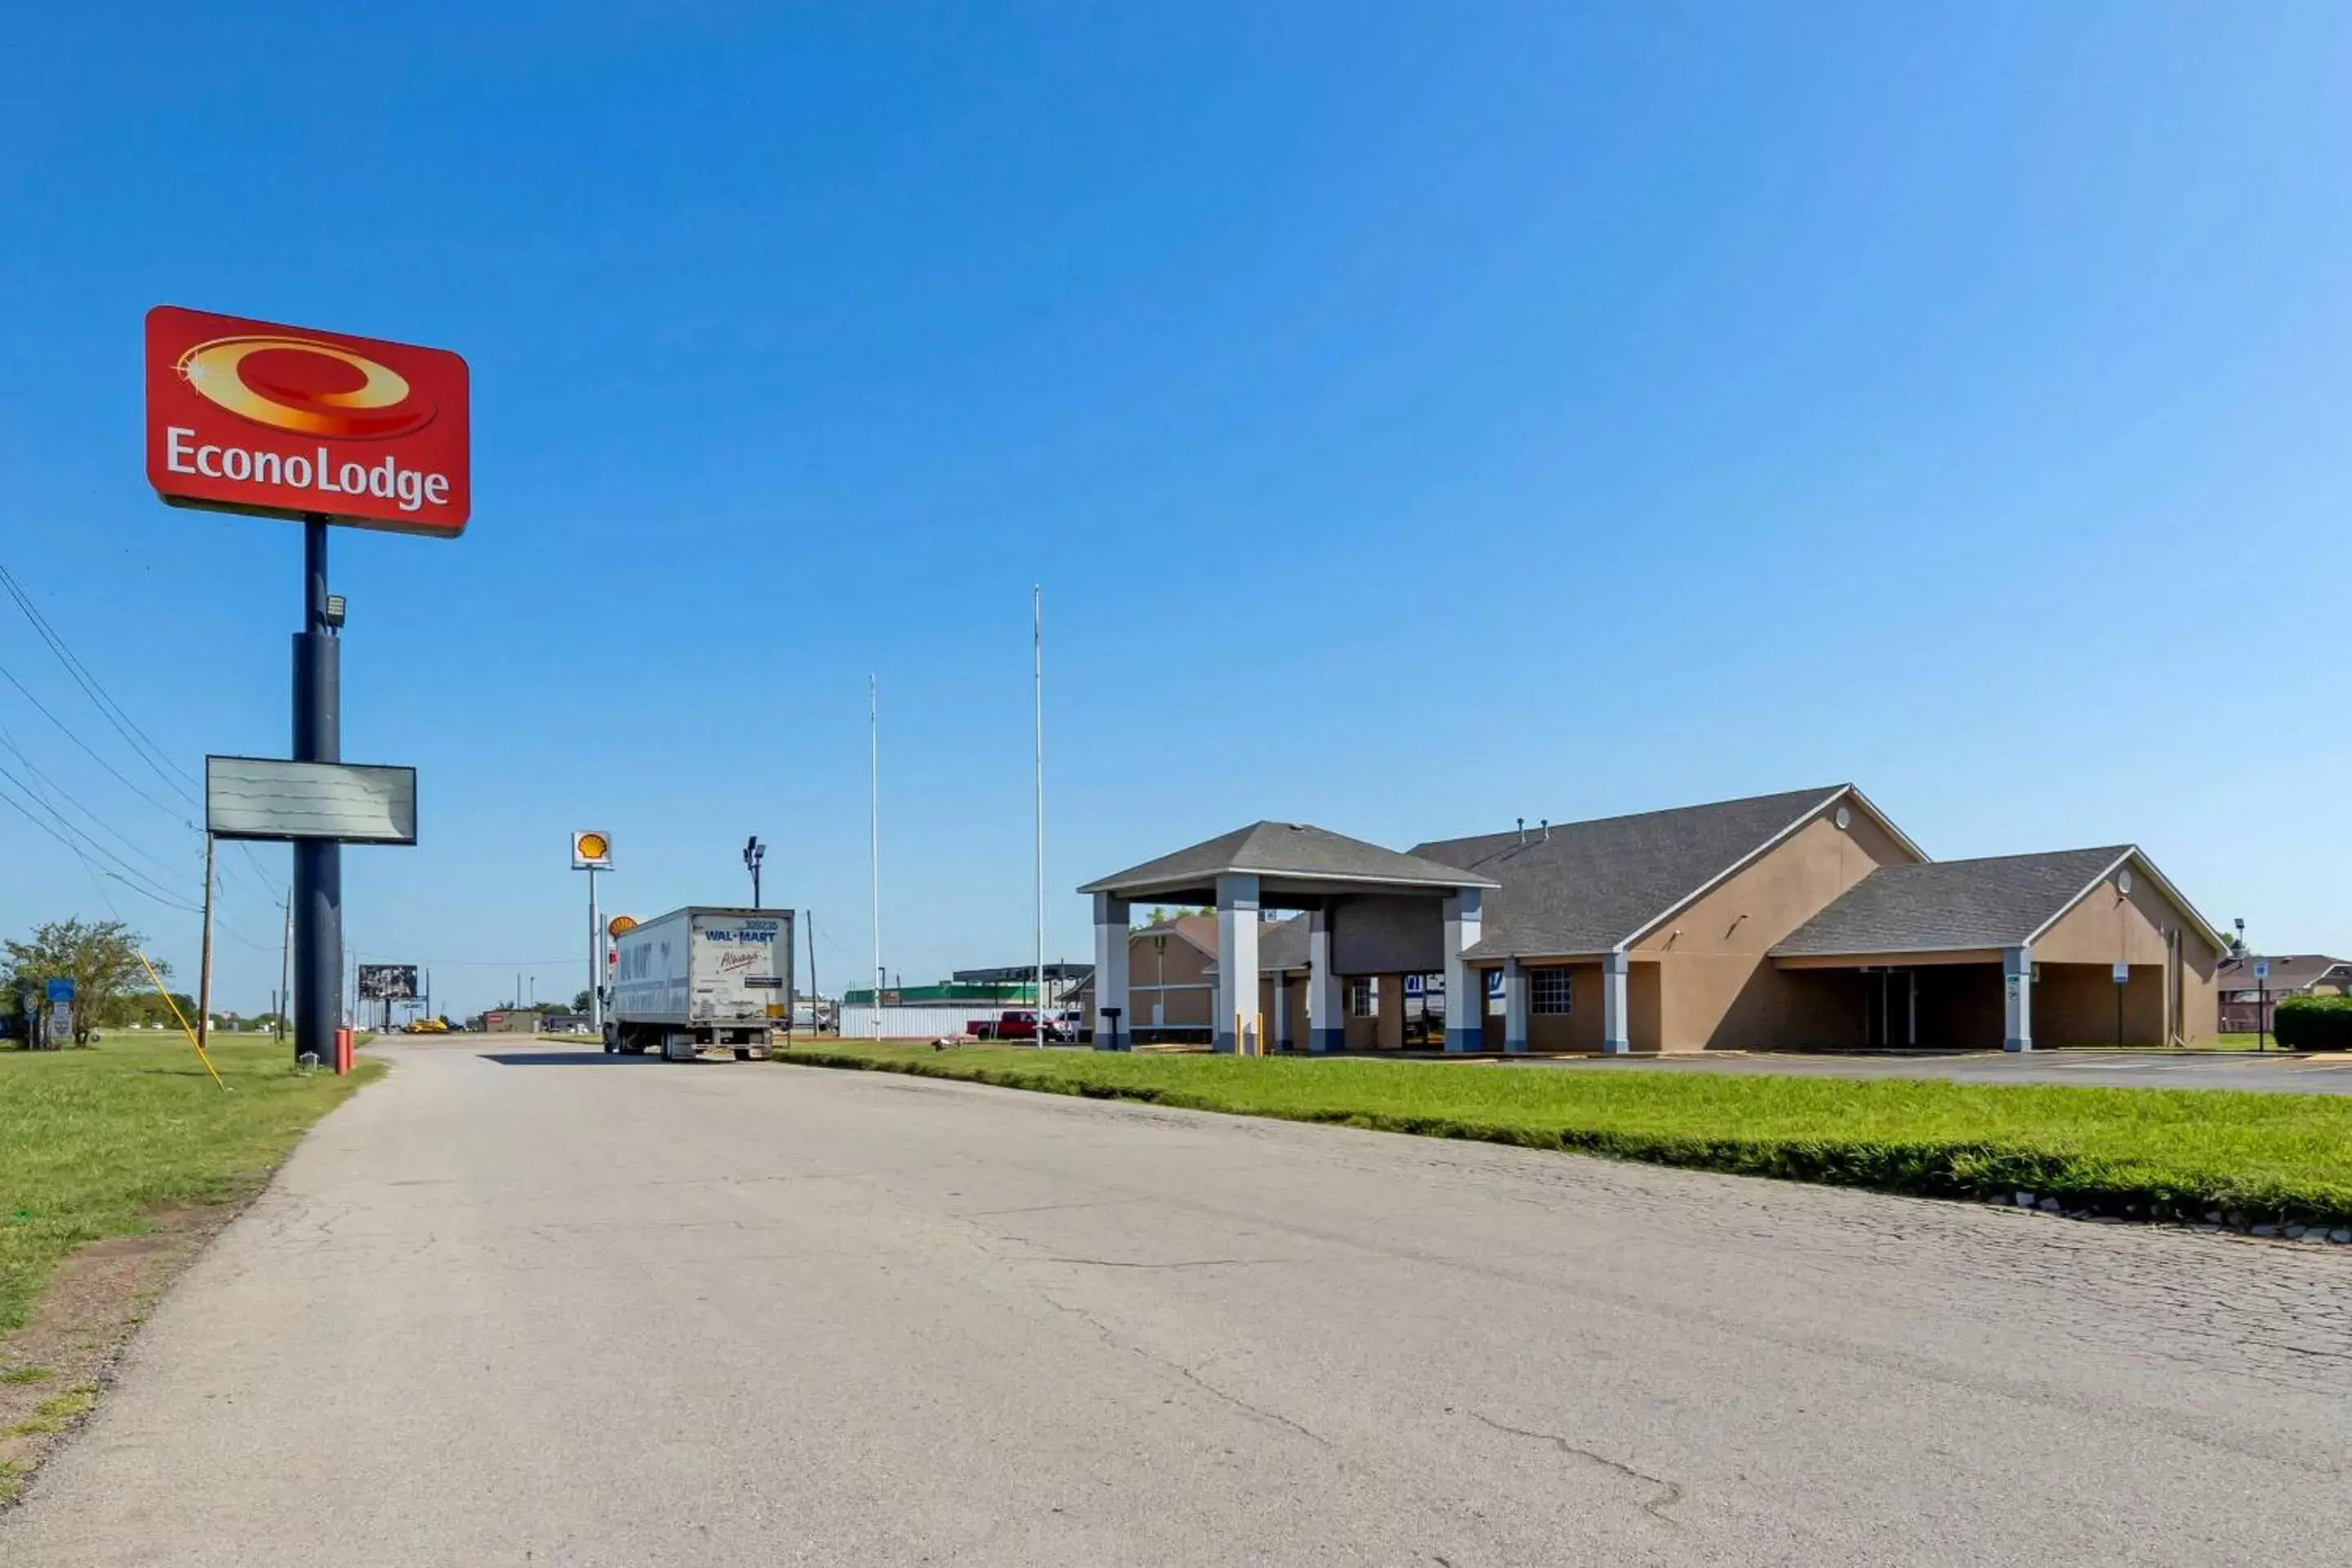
x=250, y=417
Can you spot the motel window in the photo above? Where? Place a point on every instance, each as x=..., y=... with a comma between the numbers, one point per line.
x=1364, y=996
x=1547, y=990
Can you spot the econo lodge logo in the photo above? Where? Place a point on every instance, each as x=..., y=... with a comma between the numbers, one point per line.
x=247, y=416
x=304, y=385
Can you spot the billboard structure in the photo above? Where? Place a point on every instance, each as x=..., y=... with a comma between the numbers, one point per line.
x=337, y=803
x=289, y=422
x=384, y=984
x=327, y=428
x=388, y=982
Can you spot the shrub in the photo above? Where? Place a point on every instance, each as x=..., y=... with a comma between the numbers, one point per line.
x=2314, y=1023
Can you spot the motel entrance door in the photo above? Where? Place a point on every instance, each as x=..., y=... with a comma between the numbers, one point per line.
x=1891, y=998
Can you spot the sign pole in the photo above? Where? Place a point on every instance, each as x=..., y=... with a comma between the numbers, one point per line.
x=595, y=960
x=205, y=975
x=318, y=864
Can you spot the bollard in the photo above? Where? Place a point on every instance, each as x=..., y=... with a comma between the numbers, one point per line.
x=342, y=1052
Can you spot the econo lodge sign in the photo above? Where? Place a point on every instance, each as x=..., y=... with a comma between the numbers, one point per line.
x=287, y=422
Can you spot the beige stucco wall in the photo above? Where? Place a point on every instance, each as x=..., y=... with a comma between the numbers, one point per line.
x=1156, y=956
x=1716, y=986
x=2134, y=927
x=1578, y=1029
x=2074, y=1004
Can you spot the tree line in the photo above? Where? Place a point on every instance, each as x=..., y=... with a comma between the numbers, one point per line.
x=110, y=985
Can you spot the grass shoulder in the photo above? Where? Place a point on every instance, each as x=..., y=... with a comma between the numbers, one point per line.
x=2133, y=1153
x=100, y=1139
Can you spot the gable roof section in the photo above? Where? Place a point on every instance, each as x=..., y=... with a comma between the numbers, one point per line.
x=1282, y=944
x=1283, y=850
x=1940, y=906
x=1200, y=931
x=2289, y=971
x=1587, y=887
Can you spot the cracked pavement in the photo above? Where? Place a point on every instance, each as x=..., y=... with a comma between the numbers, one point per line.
x=618, y=1311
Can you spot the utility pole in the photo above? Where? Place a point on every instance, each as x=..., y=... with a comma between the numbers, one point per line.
x=874, y=829
x=1037, y=668
x=809, y=918
x=285, y=964
x=204, y=979
x=753, y=853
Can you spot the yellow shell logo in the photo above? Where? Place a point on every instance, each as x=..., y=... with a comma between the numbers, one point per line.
x=590, y=846
x=620, y=924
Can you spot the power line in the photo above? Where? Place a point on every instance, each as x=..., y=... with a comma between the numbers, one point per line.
x=129, y=876
x=175, y=813
x=9, y=741
x=66, y=823
x=141, y=743
x=14, y=805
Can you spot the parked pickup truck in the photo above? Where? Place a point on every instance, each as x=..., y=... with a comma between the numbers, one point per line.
x=1022, y=1024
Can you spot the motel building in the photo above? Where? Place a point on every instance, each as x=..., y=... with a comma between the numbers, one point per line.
x=1798, y=922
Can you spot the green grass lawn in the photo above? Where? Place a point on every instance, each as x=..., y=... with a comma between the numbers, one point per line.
x=2138, y=1151
x=91, y=1142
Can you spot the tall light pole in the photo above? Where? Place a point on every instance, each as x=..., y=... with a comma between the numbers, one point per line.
x=753, y=853
x=1037, y=682
x=874, y=827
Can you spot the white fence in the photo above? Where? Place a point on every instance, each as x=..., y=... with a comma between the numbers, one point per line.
x=858, y=1020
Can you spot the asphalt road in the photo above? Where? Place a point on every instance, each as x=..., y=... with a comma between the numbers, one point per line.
x=593, y=1311
x=2268, y=1072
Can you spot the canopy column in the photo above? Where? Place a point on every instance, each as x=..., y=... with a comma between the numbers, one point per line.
x=1237, y=916
x=2017, y=1002
x=1616, y=969
x=1327, y=1027
x=1465, y=995
x=1515, y=1006
x=1111, y=915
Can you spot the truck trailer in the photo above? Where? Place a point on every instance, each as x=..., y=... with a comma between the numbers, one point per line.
x=701, y=978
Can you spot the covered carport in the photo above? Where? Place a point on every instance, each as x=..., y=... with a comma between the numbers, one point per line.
x=1371, y=912
x=2071, y=948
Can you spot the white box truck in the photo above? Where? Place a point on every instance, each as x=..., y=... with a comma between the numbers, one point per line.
x=702, y=978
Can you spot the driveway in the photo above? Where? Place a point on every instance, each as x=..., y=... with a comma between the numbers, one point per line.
x=558, y=1307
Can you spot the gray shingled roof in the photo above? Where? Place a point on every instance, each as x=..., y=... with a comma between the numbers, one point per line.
x=1590, y=885
x=1283, y=850
x=1282, y=944
x=2289, y=971
x=1941, y=905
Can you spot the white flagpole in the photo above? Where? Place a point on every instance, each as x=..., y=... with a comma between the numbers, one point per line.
x=1038, y=681
x=874, y=827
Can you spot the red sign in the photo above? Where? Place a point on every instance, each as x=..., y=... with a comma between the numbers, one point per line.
x=286, y=422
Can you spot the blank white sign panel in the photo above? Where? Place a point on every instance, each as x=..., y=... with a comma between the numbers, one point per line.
x=348, y=803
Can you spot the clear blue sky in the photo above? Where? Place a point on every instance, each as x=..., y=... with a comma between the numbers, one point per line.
x=1417, y=417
